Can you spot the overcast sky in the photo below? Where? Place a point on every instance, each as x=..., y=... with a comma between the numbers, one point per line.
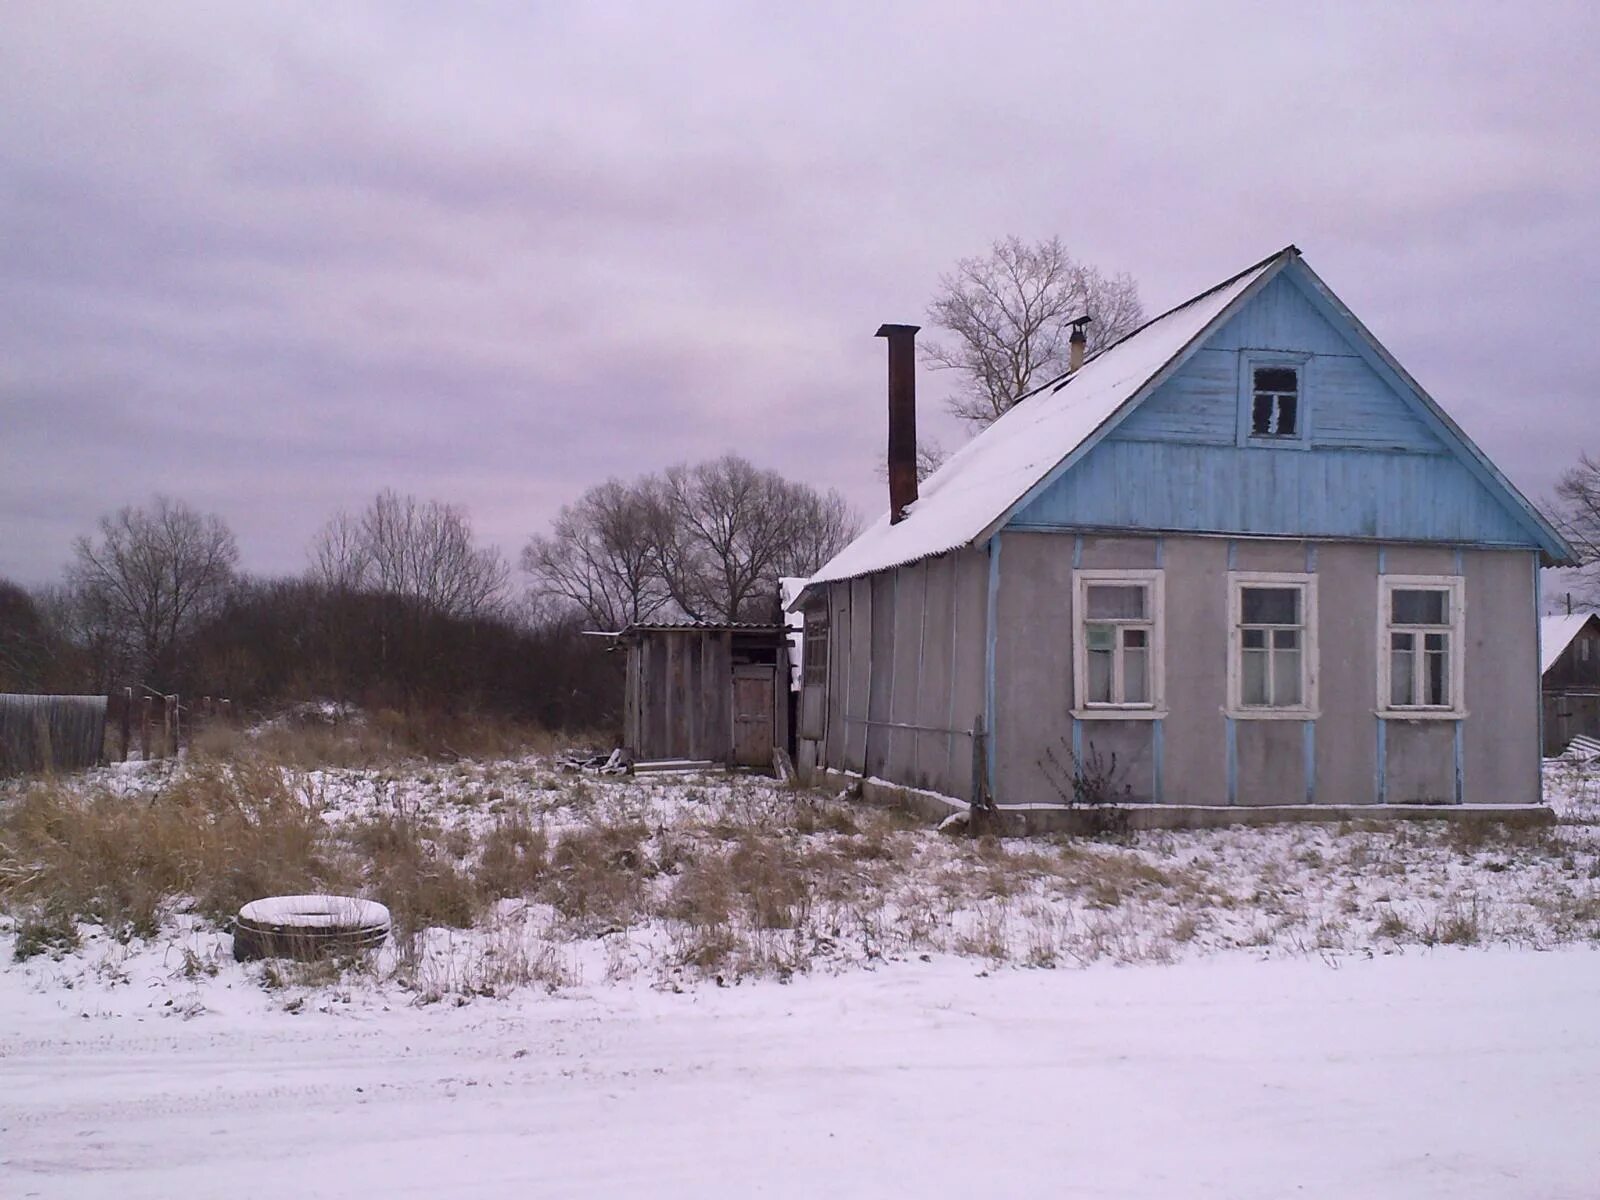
x=270, y=258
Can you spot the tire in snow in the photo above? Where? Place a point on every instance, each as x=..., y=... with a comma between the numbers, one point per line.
x=308, y=927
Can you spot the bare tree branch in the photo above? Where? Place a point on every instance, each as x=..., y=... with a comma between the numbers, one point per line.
x=1011, y=312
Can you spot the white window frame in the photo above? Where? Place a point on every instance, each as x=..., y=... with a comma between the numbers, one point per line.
x=1307, y=709
x=1156, y=707
x=1456, y=586
x=1249, y=362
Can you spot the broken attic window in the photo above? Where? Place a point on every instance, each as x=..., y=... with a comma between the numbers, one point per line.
x=1275, y=403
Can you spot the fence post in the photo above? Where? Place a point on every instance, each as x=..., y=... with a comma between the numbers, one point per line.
x=145, y=708
x=169, y=726
x=126, y=724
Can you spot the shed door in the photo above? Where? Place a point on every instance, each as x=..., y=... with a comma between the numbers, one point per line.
x=752, y=715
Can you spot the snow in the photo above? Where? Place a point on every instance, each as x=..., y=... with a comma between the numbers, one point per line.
x=983, y=479
x=1556, y=634
x=1225, y=1017
x=315, y=911
x=1456, y=1074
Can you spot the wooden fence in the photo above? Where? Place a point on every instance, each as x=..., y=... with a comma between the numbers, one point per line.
x=50, y=733
x=69, y=733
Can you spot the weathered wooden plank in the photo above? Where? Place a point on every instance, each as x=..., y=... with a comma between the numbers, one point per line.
x=57, y=733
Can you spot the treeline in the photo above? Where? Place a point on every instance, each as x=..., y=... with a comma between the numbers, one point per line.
x=400, y=607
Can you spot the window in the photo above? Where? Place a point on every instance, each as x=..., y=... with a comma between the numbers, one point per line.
x=814, y=651
x=1117, y=644
x=1274, y=409
x=1272, y=663
x=1275, y=403
x=1419, y=664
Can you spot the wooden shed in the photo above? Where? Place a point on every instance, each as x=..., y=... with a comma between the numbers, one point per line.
x=1569, y=662
x=703, y=691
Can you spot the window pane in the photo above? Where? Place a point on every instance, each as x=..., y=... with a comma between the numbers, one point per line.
x=1124, y=601
x=1286, y=678
x=1099, y=689
x=1254, y=639
x=1135, y=676
x=1134, y=638
x=1287, y=416
x=1400, y=668
x=1436, y=677
x=1277, y=379
x=1270, y=605
x=1261, y=416
x=1417, y=607
x=1286, y=639
x=1253, y=677
x=1100, y=637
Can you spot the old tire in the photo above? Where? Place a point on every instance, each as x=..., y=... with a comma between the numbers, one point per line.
x=308, y=927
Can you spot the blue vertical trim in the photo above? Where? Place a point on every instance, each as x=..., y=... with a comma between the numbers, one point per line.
x=1381, y=784
x=1311, y=558
x=991, y=640
x=1458, y=561
x=1461, y=783
x=1311, y=761
x=1382, y=781
x=1077, y=725
x=1538, y=682
x=1157, y=744
x=1233, y=555
x=1233, y=762
x=1160, y=553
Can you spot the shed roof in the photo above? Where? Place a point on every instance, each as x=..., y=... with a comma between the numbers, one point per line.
x=982, y=484
x=1556, y=634
x=701, y=627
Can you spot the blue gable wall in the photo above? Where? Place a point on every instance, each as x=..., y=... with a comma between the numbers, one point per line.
x=1376, y=465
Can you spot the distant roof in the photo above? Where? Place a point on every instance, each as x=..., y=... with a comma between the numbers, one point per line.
x=982, y=480
x=1556, y=634
x=702, y=626
x=979, y=487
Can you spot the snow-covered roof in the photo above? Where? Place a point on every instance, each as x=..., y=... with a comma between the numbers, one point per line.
x=981, y=482
x=1556, y=634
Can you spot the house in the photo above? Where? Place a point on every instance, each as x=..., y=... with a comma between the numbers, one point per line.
x=1569, y=664
x=705, y=692
x=1238, y=558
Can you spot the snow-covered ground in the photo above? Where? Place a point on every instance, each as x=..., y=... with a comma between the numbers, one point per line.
x=1445, y=1073
x=1406, y=1010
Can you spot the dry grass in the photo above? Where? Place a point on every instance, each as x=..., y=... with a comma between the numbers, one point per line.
x=308, y=740
x=218, y=834
x=739, y=877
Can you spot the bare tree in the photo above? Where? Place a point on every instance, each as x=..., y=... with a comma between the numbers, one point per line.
x=725, y=530
x=706, y=541
x=824, y=524
x=1576, y=514
x=600, y=556
x=418, y=552
x=151, y=577
x=1010, y=312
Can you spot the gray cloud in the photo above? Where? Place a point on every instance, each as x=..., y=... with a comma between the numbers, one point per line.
x=273, y=258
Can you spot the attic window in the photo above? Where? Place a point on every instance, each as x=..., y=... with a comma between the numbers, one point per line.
x=1275, y=403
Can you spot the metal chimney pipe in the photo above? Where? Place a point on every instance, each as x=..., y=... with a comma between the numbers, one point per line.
x=902, y=418
x=1077, y=344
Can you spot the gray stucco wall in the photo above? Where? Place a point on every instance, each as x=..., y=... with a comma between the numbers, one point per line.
x=1502, y=679
x=906, y=673
x=1185, y=758
x=923, y=630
